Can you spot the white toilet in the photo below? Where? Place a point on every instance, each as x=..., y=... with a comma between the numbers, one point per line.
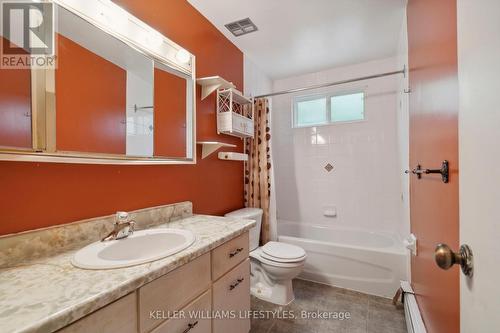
x=274, y=265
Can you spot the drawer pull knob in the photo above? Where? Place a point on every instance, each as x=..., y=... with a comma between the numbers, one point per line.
x=234, y=285
x=190, y=327
x=235, y=252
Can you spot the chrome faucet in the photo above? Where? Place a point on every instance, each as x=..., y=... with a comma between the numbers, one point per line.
x=123, y=227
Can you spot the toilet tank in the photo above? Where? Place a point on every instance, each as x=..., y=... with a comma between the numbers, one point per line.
x=250, y=214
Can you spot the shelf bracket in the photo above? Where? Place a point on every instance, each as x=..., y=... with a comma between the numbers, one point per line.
x=209, y=147
x=212, y=84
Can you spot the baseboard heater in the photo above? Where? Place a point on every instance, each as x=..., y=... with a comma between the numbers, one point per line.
x=414, y=322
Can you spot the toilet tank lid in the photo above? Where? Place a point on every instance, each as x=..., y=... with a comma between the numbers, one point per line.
x=245, y=213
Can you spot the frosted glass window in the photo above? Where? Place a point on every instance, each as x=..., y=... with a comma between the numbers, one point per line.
x=311, y=112
x=315, y=110
x=347, y=107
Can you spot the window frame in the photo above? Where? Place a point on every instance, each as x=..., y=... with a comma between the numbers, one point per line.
x=328, y=109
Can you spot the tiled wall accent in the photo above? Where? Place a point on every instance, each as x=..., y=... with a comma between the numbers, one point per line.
x=365, y=182
x=44, y=242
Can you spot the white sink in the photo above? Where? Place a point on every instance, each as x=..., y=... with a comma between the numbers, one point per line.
x=139, y=248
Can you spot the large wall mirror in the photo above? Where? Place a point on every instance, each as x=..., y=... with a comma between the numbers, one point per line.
x=121, y=93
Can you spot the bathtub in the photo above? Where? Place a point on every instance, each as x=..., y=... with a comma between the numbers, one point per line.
x=368, y=262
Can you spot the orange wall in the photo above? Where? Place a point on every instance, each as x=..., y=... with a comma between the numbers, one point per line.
x=15, y=104
x=90, y=102
x=432, y=42
x=37, y=195
x=170, y=114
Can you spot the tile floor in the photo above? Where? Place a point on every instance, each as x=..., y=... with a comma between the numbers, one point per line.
x=369, y=314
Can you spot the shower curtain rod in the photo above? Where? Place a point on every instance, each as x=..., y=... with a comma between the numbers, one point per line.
x=290, y=91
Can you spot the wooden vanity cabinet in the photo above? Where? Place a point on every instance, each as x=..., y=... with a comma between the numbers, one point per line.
x=216, y=281
x=119, y=316
x=232, y=293
x=201, y=323
x=172, y=292
x=229, y=254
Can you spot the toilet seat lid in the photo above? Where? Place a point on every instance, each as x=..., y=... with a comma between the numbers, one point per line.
x=283, y=252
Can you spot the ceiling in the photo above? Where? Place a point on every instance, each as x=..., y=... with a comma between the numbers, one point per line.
x=300, y=36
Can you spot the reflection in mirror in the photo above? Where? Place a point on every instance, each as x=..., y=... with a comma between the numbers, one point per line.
x=172, y=93
x=104, y=92
x=121, y=93
x=15, y=108
x=140, y=112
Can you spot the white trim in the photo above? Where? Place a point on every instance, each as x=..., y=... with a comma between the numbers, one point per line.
x=47, y=158
x=414, y=322
x=117, y=22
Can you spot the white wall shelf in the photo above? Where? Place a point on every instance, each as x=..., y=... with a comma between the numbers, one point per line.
x=213, y=83
x=235, y=113
x=209, y=147
x=237, y=96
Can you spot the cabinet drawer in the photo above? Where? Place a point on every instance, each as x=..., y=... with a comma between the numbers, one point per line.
x=172, y=291
x=119, y=316
x=201, y=307
x=229, y=255
x=232, y=293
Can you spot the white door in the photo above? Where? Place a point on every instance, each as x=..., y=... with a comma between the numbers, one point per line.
x=479, y=132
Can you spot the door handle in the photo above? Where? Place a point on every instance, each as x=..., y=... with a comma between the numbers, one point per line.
x=235, y=252
x=190, y=327
x=236, y=284
x=446, y=258
x=444, y=171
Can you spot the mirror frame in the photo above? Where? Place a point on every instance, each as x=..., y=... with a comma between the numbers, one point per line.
x=134, y=33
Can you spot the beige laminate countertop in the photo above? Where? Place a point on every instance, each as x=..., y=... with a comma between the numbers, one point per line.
x=47, y=294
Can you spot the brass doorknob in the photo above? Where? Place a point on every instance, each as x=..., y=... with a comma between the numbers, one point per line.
x=446, y=258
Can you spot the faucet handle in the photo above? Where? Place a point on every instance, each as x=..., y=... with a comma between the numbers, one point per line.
x=131, y=227
x=121, y=217
x=124, y=229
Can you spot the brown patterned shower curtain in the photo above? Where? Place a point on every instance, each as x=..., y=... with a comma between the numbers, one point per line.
x=258, y=167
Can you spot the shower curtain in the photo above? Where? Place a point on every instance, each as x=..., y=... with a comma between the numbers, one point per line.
x=258, y=170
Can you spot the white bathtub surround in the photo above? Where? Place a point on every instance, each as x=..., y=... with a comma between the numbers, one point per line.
x=369, y=262
x=365, y=183
x=339, y=187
